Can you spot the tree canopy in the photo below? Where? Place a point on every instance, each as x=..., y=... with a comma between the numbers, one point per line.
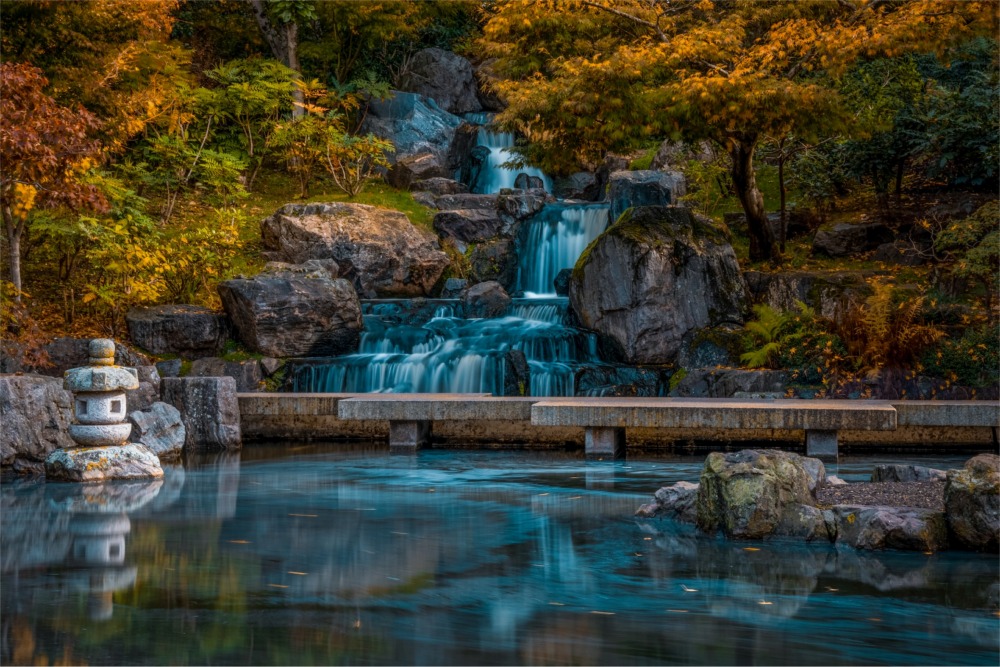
x=583, y=77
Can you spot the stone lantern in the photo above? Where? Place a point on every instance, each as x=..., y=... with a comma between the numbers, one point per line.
x=101, y=431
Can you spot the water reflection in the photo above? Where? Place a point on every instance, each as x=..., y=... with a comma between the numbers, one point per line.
x=451, y=558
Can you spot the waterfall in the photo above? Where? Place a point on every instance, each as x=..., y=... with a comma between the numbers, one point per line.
x=452, y=354
x=494, y=177
x=553, y=240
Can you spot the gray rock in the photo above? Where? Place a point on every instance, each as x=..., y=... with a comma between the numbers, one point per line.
x=727, y=382
x=379, y=250
x=425, y=199
x=674, y=155
x=439, y=186
x=805, y=522
x=561, y=282
x=643, y=188
x=897, y=472
x=96, y=464
x=445, y=77
x=846, y=239
x=453, y=288
x=417, y=125
x=901, y=253
x=209, y=410
x=467, y=201
x=525, y=181
x=516, y=374
x=652, y=278
x=582, y=185
x=678, y=501
x=517, y=205
x=607, y=380
x=415, y=168
x=711, y=347
x=747, y=494
x=873, y=528
x=248, y=374
x=830, y=294
x=35, y=412
x=487, y=299
x=494, y=260
x=466, y=226
x=489, y=100
x=314, y=268
x=190, y=331
x=159, y=428
x=972, y=503
x=294, y=317
x=148, y=391
x=169, y=368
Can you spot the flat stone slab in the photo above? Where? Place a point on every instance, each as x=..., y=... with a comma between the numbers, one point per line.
x=826, y=415
x=98, y=464
x=948, y=413
x=435, y=407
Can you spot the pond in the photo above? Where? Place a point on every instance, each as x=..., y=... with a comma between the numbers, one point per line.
x=350, y=555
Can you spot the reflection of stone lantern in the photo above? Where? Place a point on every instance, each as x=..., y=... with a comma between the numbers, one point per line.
x=101, y=431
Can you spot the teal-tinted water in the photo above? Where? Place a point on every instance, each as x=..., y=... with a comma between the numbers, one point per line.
x=349, y=556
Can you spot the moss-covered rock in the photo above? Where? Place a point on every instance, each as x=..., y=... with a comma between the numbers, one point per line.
x=972, y=503
x=652, y=278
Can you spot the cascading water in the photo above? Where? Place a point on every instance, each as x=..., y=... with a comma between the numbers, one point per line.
x=426, y=345
x=493, y=176
x=403, y=350
x=553, y=240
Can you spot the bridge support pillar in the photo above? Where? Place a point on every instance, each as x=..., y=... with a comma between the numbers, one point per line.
x=605, y=443
x=408, y=436
x=822, y=445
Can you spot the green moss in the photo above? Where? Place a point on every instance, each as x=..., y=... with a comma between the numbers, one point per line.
x=185, y=368
x=645, y=161
x=676, y=378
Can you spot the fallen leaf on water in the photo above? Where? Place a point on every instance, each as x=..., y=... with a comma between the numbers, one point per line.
x=240, y=542
x=750, y=549
x=765, y=602
x=678, y=611
x=689, y=590
x=277, y=586
x=647, y=539
x=557, y=604
x=603, y=613
x=832, y=590
x=543, y=494
x=357, y=624
x=575, y=497
x=638, y=554
x=311, y=516
x=874, y=620
x=301, y=574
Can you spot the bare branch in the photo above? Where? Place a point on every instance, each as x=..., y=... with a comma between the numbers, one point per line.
x=625, y=15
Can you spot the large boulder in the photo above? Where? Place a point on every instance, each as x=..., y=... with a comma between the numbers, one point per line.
x=186, y=330
x=830, y=293
x=972, y=503
x=466, y=226
x=846, y=239
x=97, y=464
x=675, y=155
x=35, y=414
x=464, y=201
x=294, y=317
x=878, y=527
x=148, y=391
x=60, y=355
x=515, y=206
x=899, y=472
x=160, y=428
x=419, y=168
x=644, y=188
x=445, y=77
x=494, y=260
x=416, y=125
x=653, y=277
x=583, y=185
x=487, y=299
x=678, y=501
x=752, y=494
x=209, y=410
x=438, y=186
x=379, y=250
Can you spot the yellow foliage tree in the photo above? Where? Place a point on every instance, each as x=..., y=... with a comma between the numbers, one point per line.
x=586, y=76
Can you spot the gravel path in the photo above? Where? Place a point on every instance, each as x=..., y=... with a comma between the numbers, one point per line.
x=927, y=495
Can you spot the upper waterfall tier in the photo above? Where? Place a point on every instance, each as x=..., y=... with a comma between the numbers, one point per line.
x=494, y=177
x=553, y=240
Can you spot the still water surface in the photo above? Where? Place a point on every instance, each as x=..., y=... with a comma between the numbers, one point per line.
x=351, y=556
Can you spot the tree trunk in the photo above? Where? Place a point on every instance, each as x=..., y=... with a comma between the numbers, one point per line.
x=762, y=245
x=14, y=231
x=292, y=54
x=783, y=232
x=284, y=43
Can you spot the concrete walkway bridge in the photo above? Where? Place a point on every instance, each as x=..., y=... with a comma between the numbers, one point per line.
x=605, y=427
